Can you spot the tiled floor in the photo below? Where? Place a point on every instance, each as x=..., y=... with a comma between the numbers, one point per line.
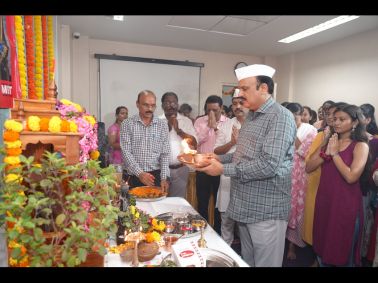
x=305, y=256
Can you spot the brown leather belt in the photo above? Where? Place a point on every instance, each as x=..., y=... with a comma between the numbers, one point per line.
x=176, y=166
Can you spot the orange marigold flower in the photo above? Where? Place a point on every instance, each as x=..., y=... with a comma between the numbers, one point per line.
x=14, y=151
x=11, y=136
x=23, y=249
x=65, y=126
x=10, y=167
x=44, y=124
x=95, y=154
x=24, y=262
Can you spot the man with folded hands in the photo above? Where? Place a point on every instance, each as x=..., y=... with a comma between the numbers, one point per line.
x=180, y=128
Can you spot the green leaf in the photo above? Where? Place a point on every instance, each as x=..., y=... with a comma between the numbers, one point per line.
x=60, y=219
x=82, y=254
x=38, y=234
x=45, y=183
x=71, y=261
x=29, y=224
x=13, y=234
x=49, y=263
x=16, y=252
x=25, y=238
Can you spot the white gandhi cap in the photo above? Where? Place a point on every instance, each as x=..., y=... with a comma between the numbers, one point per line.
x=254, y=71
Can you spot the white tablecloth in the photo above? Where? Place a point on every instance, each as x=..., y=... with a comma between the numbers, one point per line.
x=177, y=205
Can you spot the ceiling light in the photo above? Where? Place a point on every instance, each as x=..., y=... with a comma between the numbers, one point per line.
x=118, y=18
x=321, y=27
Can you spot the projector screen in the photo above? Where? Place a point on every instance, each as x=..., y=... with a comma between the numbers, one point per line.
x=121, y=80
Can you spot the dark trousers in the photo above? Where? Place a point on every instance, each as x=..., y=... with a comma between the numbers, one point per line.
x=135, y=182
x=205, y=185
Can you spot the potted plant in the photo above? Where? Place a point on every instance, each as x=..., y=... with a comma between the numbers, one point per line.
x=57, y=214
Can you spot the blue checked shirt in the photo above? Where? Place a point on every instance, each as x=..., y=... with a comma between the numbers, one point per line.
x=145, y=148
x=260, y=168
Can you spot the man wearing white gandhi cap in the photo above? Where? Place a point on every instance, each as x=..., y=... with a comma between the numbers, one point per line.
x=260, y=169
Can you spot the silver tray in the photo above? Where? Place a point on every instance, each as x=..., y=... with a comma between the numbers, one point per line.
x=216, y=258
x=213, y=258
x=150, y=199
x=171, y=216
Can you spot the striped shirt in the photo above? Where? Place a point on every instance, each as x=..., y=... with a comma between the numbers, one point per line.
x=260, y=169
x=145, y=148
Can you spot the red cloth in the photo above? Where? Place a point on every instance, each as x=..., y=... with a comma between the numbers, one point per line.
x=337, y=206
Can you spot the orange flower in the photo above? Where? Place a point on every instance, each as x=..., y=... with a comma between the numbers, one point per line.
x=44, y=124
x=14, y=151
x=45, y=57
x=11, y=136
x=9, y=167
x=65, y=126
x=29, y=42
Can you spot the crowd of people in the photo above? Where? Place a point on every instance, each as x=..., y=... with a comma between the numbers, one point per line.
x=278, y=172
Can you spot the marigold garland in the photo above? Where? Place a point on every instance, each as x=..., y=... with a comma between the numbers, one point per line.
x=12, y=160
x=29, y=35
x=33, y=123
x=45, y=57
x=13, y=151
x=12, y=178
x=54, y=124
x=73, y=127
x=38, y=57
x=65, y=126
x=21, y=57
x=13, y=125
x=14, y=144
x=50, y=33
x=44, y=124
x=11, y=136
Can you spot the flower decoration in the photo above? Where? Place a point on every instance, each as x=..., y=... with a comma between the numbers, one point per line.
x=82, y=123
x=38, y=57
x=54, y=124
x=13, y=148
x=44, y=124
x=13, y=125
x=95, y=154
x=50, y=35
x=134, y=220
x=20, y=41
x=29, y=35
x=45, y=57
x=33, y=123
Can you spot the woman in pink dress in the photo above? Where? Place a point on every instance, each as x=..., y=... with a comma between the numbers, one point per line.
x=115, y=154
x=338, y=218
x=305, y=135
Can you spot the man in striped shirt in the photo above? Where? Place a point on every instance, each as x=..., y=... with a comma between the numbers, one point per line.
x=145, y=145
x=260, y=170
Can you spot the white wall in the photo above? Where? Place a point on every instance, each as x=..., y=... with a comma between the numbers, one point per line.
x=344, y=70
x=218, y=70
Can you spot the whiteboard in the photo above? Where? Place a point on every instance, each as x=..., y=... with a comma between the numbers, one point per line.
x=121, y=81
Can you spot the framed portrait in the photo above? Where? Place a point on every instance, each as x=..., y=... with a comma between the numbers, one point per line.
x=227, y=93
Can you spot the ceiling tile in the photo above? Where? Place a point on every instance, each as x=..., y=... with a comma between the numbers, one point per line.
x=265, y=19
x=236, y=26
x=195, y=22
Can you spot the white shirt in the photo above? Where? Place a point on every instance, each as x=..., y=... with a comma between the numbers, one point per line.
x=185, y=124
x=224, y=136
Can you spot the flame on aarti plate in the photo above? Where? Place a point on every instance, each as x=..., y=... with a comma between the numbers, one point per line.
x=186, y=149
